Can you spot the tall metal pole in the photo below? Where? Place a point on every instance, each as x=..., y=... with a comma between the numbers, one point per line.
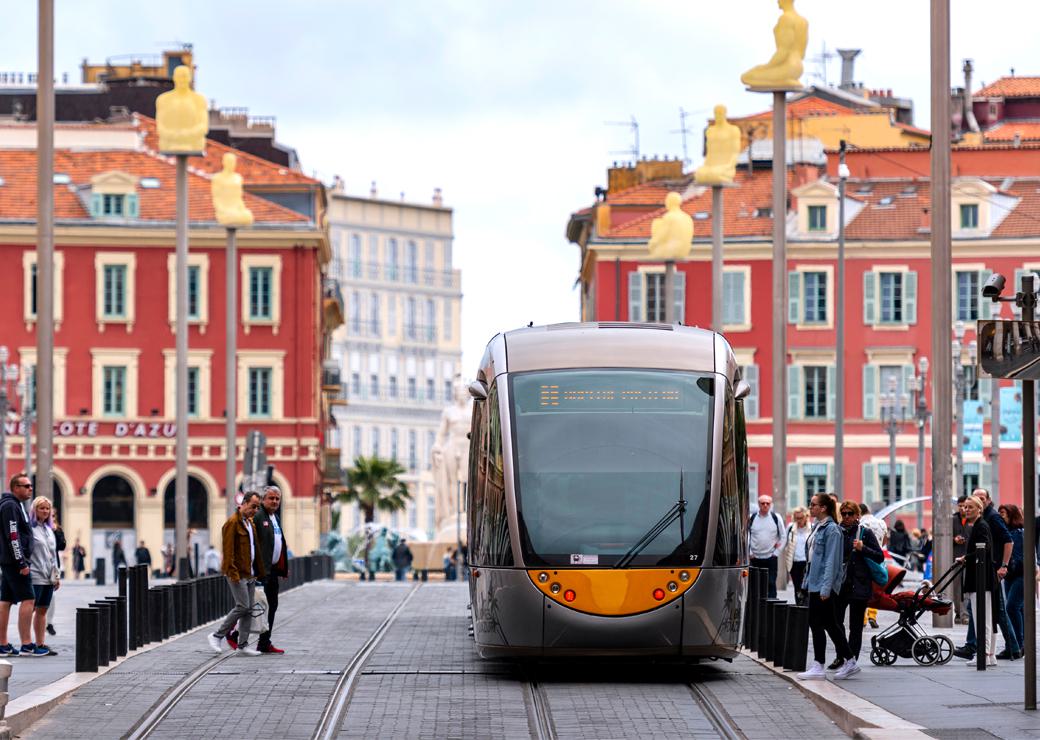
x=1029, y=505
x=717, y=216
x=942, y=392
x=921, y=419
x=3, y=418
x=231, y=367
x=994, y=445
x=959, y=384
x=181, y=482
x=780, y=302
x=27, y=422
x=839, y=323
x=669, y=292
x=45, y=246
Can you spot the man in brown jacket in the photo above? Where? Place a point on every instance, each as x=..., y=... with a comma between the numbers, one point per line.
x=242, y=566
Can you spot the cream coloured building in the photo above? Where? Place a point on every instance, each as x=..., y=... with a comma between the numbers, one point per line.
x=400, y=347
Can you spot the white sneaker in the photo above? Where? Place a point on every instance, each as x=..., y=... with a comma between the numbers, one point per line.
x=249, y=650
x=217, y=643
x=849, y=669
x=816, y=672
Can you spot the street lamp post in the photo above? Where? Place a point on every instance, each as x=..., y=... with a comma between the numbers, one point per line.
x=25, y=396
x=839, y=397
x=894, y=413
x=8, y=375
x=960, y=388
x=921, y=416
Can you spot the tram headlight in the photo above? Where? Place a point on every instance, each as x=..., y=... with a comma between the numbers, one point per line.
x=684, y=575
x=555, y=588
x=543, y=577
x=673, y=586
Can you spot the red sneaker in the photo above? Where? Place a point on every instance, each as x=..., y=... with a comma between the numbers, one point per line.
x=232, y=639
x=271, y=649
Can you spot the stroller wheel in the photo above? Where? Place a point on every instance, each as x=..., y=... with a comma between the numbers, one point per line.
x=877, y=657
x=945, y=649
x=925, y=650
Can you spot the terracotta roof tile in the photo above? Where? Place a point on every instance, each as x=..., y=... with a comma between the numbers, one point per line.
x=1006, y=130
x=807, y=107
x=1011, y=87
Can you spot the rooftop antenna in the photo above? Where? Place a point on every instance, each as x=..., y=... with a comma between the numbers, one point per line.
x=822, y=59
x=683, y=130
x=632, y=124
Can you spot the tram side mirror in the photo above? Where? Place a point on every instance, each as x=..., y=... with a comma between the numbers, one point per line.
x=478, y=390
x=742, y=391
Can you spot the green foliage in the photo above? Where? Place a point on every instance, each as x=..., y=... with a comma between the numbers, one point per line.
x=374, y=483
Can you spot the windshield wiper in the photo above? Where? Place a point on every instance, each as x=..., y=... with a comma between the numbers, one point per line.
x=676, y=512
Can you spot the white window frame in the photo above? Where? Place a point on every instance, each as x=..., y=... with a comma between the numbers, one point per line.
x=251, y=358
x=101, y=358
x=273, y=261
x=27, y=358
x=908, y=276
x=876, y=358
x=985, y=307
x=201, y=261
x=28, y=260
x=796, y=301
x=680, y=292
x=745, y=325
x=113, y=259
x=796, y=478
x=197, y=358
x=810, y=357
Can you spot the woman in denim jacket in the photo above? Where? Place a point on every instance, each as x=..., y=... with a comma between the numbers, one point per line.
x=824, y=581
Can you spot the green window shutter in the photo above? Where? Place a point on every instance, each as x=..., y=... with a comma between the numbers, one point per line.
x=131, y=205
x=794, y=485
x=635, y=296
x=794, y=284
x=907, y=381
x=831, y=481
x=986, y=475
x=985, y=304
x=870, y=298
x=832, y=384
x=910, y=298
x=869, y=484
x=909, y=480
x=95, y=205
x=679, y=298
x=794, y=392
x=751, y=401
x=870, y=382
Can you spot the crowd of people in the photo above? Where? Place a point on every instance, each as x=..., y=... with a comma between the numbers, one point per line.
x=835, y=555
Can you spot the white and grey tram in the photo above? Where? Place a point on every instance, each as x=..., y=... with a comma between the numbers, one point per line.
x=608, y=493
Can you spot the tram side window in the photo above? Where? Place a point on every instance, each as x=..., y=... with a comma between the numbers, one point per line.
x=494, y=539
x=743, y=480
x=727, y=534
x=477, y=466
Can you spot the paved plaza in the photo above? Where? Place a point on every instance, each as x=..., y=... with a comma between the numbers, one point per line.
x=423, y=679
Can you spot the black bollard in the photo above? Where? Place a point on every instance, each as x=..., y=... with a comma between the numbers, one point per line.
x=133, y=631
x=779, y=633
x=86, y=640
x=750, y=610
x=146, y=622
x=760, y=613
x=982, y=628
x=766, y=653
x=99, y=571
x=119, y=605
x=796, y=649
x=122, y=580
x=104, y=613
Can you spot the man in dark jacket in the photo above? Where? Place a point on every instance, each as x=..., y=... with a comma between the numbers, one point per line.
x=15, y=550
x=961, y=530
x=274, y=551
x=242, y=566
x=402, y=557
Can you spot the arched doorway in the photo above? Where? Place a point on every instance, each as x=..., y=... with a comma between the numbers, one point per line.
x=198, y=516
x=112, y=520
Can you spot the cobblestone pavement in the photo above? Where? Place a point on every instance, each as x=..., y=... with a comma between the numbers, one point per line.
x=424, y=680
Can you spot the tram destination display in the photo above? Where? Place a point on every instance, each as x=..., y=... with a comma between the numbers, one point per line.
x=1010, y=349
x=599, y=392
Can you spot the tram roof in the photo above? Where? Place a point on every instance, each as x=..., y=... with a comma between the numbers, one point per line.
x=613, y=344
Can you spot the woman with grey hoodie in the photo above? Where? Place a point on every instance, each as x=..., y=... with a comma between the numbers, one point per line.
x=823, y=582
x=43, y=567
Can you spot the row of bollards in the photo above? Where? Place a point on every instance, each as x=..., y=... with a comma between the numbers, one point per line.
x=111, y=627
x=777, y=632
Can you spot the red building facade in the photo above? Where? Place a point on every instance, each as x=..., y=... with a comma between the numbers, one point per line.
x=114, y=335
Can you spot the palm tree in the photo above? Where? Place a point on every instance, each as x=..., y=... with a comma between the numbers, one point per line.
x=375, y=483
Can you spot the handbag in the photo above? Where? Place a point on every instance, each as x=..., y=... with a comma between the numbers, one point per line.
x=878, y=571
x=55, y=575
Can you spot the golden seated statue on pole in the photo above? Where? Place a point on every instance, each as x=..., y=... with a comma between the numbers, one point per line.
x=784, y=70
x=671, y=235
x=722, y=145
x=226, y=189
x=182, y=117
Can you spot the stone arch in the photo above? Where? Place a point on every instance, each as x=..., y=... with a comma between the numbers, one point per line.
x=210, y=487
x=133, y=480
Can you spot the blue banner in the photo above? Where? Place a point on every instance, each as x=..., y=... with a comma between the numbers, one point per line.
x=1011, y=417
x=972, y=411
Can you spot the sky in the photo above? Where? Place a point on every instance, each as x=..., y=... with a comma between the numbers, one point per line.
x=509, y=107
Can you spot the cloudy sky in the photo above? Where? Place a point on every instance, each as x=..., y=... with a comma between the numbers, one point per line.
x=505, y=105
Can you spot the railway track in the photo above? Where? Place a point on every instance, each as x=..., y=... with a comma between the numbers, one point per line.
x=719, y=718
x=334, y=709
x=539, y=716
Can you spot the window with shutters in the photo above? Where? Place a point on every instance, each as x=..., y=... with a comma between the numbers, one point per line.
x=889, y=297
x=354, y=256
x=261, y=291
x=810, y=386
x=29, y=275
x=751, y=400
x=815, y=297
x=880, y=489
x=411, y=262
x=809, y=303
x=969, y=215
x=815, y=384
x=646, y=296
x=882, y=379
x=805, y=479
x=115, y=276
x=114, y=379
x=391, y=259
x=736, y=298
x=113, y=196
x=113, y=392
x=814, y=480
x=259, y=392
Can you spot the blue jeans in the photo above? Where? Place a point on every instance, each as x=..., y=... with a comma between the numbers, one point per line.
x=400, y=573
x=1016, y=608
x=1011, y=641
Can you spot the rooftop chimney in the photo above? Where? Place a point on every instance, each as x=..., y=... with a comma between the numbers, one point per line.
x=848, y=61
x=438, y=197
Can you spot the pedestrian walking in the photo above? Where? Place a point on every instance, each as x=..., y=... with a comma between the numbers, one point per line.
x=980, y=534
x=1013, y=584
x=823, y=582
x=118, y=558
x=795, y=557
x=242, y=565
x=1002, y=549
x=402, y=557
x=15, y=552
x=79, y=559
x=961, y=530
x=273, y=550
x=142, y=556
x=766, y=540
x=211, y=559
x=860, y=545
x=899, y=543
x=449, y=565
x=168, y=558
x=43, y=567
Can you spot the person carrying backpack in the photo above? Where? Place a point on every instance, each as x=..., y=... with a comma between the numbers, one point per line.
x=766, y=539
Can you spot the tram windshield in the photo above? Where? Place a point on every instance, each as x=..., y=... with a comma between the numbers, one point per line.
x=599, y=454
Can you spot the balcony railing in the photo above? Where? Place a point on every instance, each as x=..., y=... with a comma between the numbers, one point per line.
x=398, y=273
x=397, y=393
x=376, y=329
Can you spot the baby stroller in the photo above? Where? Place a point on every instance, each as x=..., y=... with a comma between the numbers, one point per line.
x=906, y=638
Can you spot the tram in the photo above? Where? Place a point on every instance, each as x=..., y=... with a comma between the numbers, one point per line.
x=608, y=493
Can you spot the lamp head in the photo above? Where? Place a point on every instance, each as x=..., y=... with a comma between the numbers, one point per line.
x=994, y=286
x=958, y=330
x=922, y=365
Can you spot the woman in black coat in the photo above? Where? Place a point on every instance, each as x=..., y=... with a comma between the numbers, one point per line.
x=860, y=545
x=980, y=534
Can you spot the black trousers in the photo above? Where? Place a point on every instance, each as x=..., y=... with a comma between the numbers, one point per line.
x=770, y=565
x=823, y=622
x=271, y=592
x=857, y=610
x=797, y=577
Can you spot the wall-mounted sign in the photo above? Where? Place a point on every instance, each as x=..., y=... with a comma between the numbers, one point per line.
x=1010, y=349
x=133, y=429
